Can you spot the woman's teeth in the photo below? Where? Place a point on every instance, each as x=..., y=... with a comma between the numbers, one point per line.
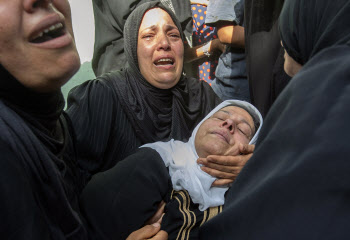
x=48, y=30
x=164, y=61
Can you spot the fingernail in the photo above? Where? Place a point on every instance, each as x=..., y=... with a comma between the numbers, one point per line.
x=200, y=161
x=156, y=224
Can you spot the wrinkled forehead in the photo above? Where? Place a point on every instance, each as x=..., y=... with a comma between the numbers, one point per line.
x=235, y=111
x=155, y=16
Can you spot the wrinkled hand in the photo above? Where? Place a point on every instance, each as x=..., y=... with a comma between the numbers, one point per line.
x=149, y=232
x=226, y=168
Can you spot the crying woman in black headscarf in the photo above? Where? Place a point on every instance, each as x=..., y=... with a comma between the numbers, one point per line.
x=297, y=184
x=39, y=177
x=148, y=101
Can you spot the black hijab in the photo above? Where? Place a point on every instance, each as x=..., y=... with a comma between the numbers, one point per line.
x=36, y=141
x=40, y=110
x=297, y=183
x=302, y=41
x=159, y=114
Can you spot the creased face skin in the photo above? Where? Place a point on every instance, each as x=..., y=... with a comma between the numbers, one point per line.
x=222, y=133
x=37, y=44
x=160, y=49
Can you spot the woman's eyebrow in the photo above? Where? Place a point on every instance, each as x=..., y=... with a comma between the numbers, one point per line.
x=170, y=27
x=152, y=27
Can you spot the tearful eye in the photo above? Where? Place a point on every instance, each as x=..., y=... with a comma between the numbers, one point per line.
x=147, y=37
x=175, y=36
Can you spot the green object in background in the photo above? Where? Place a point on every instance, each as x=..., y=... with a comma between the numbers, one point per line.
x=85, y=73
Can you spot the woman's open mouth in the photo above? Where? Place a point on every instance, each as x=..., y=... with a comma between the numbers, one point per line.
x=52, y=32
x=164, y=61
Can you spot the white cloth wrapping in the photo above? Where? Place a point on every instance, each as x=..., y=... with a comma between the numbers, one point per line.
x=181, y=159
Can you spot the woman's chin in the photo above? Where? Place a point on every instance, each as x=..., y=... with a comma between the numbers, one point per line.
x=166, y=82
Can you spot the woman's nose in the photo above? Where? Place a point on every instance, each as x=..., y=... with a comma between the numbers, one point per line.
x=163, y=42
x=32, y=5
x=229, y=124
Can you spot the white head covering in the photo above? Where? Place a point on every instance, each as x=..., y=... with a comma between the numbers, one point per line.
x=185, y=173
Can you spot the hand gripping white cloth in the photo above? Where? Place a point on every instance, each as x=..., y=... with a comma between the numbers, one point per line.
x=181, y=159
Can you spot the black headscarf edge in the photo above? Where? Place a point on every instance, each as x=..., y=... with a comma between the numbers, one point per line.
x=308, y=26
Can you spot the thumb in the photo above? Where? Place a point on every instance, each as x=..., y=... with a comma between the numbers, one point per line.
x=246, y=148
x=157, y=224
x=146, y=232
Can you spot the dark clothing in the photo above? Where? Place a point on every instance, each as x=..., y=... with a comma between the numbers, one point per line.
x=297, y=183
x=124, y=111
x=183, y=218
x=119, y=201
x=110, y=18
x=39, y=188
x=40, y=180
x=103, y=131
x=40, y=110
x=264, y=54
x=302, y=41
x=107, y=132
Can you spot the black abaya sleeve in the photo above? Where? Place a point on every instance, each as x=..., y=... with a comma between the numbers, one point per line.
x=119, y=201
x=103, y=132
x=21, y=215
